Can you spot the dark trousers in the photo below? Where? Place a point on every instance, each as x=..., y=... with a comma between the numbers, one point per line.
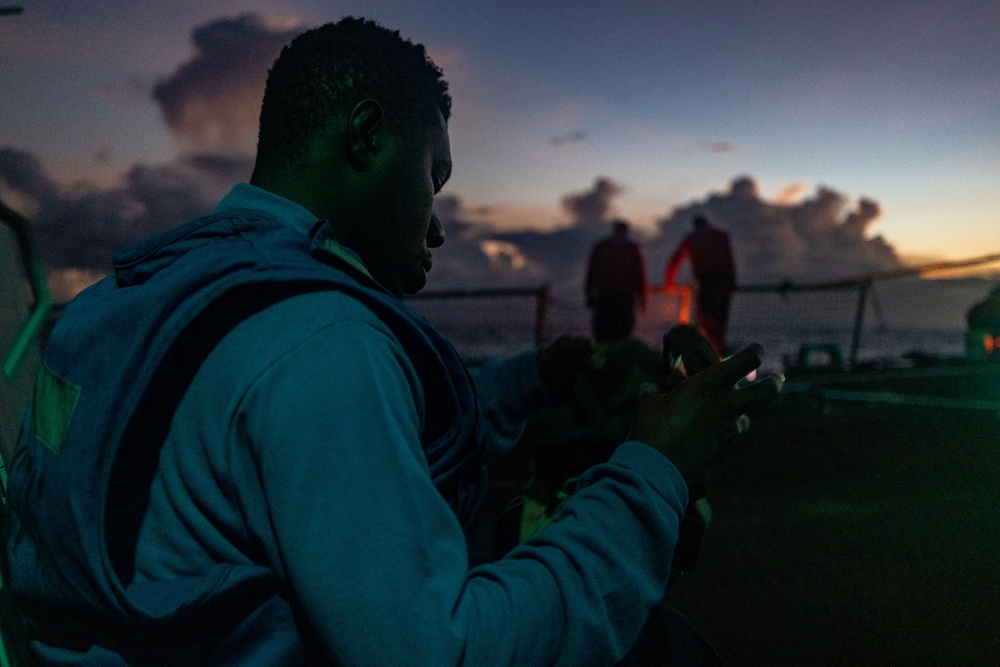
x=614, y=316
x=714, y=295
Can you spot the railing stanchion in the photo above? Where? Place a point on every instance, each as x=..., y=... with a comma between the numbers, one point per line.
x=541, y=314
x=859, y=319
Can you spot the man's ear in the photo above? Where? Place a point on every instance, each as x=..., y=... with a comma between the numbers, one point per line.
x=365, y=133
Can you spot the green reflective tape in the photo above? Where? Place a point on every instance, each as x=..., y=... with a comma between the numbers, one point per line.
x=339, y=251
x=55, y=403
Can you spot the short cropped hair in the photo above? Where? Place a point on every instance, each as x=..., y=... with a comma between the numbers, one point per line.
x=329, y=69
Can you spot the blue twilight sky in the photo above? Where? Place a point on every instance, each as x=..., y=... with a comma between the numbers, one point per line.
x=818, y=105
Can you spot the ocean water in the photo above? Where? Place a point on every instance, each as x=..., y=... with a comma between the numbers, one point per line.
x=784, y=324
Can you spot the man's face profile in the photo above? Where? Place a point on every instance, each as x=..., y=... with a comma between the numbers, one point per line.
x=398, y=244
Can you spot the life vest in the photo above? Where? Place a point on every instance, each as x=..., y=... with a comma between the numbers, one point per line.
x=115, y=366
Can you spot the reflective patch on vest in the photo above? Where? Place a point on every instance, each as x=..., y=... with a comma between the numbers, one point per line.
x=345, y=255
x=54, y=405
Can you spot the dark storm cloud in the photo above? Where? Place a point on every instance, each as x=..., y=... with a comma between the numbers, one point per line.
x=23, y=172
x=230, y=168
x=211, y=103
x=104, y=156
x=564, y=252
x=561, y=254
x=463, y=259
x=591, y=208
x=821, y=237
x=79, y=226
x=473, y=256
x=213, y=100
x=476, y=256
x=453, y=216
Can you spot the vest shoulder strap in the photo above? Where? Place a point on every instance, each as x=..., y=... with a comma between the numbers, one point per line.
x=144, y=436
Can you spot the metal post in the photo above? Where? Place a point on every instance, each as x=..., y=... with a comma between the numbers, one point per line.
x=859, y=318
x=541, y=314
x=36, y=276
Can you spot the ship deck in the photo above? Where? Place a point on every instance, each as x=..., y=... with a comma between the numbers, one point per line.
x=855, y=533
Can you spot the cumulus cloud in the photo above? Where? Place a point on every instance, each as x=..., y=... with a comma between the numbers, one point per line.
x=211, y=103
x=225, y=169
x=562, y=253
x=805, y=238
x=213, y=100
x=800, y=237
x=592, y=208
x=64, y=284
x=792, y=194
x=23, y=172
x=472, y=256
x=477, y=255
x=78, y=226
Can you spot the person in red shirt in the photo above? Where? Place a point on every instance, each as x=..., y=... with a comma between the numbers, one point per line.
x=615, y=284
x=711, y=257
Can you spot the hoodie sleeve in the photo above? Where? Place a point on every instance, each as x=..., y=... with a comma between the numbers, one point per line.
x=378, y=561
x=510, y=391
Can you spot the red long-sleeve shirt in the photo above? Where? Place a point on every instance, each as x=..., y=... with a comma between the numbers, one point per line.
x=710, y=253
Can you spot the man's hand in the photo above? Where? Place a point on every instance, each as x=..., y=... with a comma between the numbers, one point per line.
x=695, y=424
x=685, y=347
x=561, y=363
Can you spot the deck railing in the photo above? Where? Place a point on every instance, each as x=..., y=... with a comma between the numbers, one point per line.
x=539, y=294
x=841, y=319
x=30, y=328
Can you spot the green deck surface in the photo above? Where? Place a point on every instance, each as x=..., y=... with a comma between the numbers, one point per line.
x=868, y=536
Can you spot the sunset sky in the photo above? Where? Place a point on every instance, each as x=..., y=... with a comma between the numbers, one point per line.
x=817, y=106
